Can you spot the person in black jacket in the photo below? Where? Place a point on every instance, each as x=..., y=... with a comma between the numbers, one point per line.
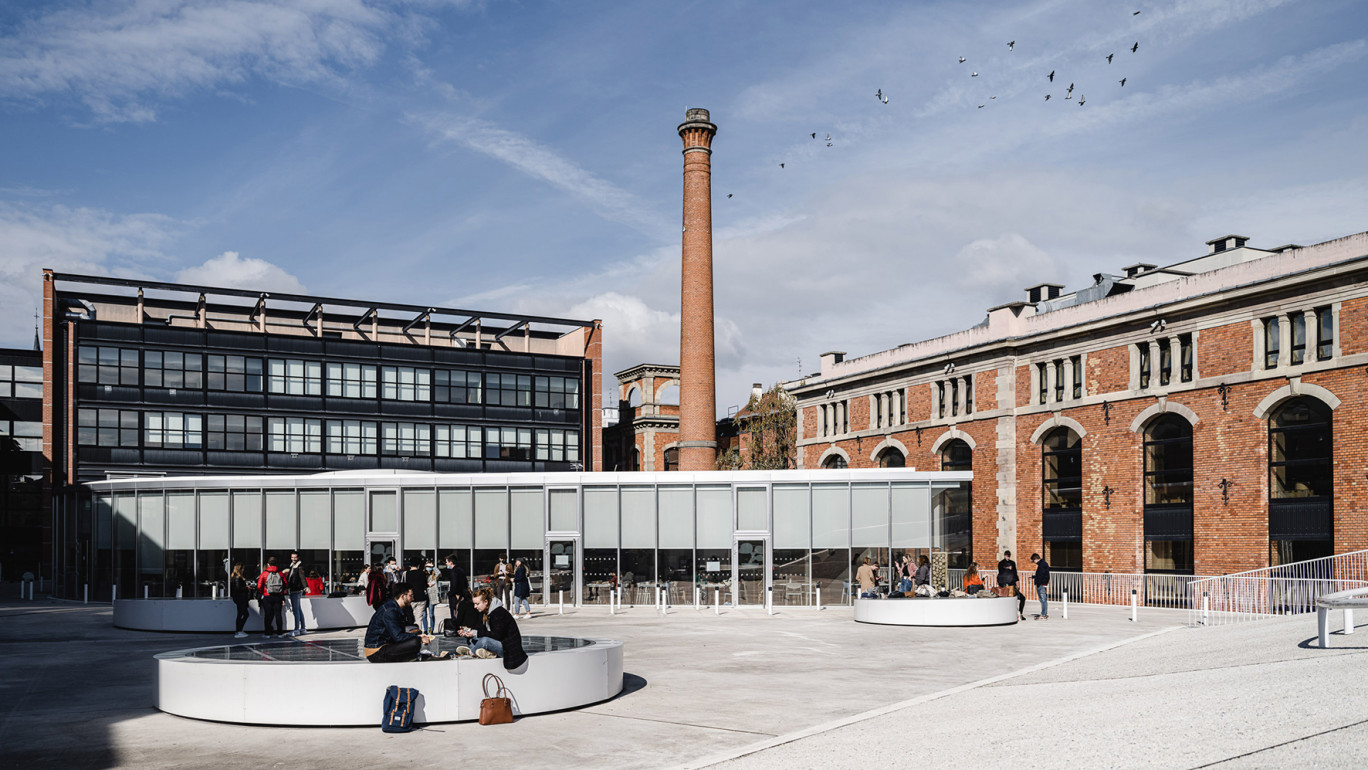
x=499, y=636
x=239, y=590
x=388, y=638
x=1007, y=577
x=1042, y=584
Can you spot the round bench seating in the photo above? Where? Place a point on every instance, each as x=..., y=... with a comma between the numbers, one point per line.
x=949, y=611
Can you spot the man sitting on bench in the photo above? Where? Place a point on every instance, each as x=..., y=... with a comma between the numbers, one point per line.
x=388, y=636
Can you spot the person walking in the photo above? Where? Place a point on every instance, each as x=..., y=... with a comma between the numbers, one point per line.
x=298, y=586
x=271, y=587
x=522, y=588
x=363, y=579
x=239, y=590
x=434, y=596
x=1042, y=585
x=865, y=577
x=1007, y=578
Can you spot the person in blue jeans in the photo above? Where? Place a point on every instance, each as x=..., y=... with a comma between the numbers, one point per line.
x=295, y=577
x=1042, y=582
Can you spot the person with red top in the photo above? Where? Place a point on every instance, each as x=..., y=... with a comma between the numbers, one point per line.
x=271, y=586
x=314, y=583
x=377, y=588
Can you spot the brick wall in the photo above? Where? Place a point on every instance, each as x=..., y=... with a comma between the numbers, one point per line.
x=1107, y=371
x=1223, y=350
x=1353, y=329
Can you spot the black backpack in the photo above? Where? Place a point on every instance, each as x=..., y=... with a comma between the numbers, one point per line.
x=399, y=704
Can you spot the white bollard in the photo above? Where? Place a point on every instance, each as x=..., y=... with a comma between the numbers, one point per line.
x=1206, y=609
x=769, y=600
x=85, y=594
x=1135, y=606
x=113, y=594
x=1065, y=603
x=1348, y=621
x=697, y=598
x=611, y=608
x=178, y=592
x=146, y=591
x=561, y=609
x=717, y=601
x=816, y=596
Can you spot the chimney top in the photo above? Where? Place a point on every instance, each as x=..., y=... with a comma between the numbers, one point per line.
x=1043, y=292
x=1227, y=242
x=1138, y=268
x=696, y=113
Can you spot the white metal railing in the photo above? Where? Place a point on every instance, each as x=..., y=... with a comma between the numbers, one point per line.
x=1106, y=588
x=1287, y=589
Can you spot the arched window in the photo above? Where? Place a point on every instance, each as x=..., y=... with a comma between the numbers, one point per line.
x=1168, y=495
x=1301, y=481
x=957, y=505
x=892, y=458
x=835, y=463
x=1062, y=484
x=669, y=395
x=672, y=459
x=634, y=397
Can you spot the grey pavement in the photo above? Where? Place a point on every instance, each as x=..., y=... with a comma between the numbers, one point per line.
x=797, y=689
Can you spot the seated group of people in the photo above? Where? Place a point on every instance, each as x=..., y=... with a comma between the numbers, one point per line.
x=392, y=635
x=911, y=575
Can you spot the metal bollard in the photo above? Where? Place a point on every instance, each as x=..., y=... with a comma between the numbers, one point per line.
x=1065, y=603
x=178, y=592
x=1135, y=598
x=1206, y=609
x=146, y=591
x=113, y=594
x=610, y=602
x=769, y=600
x=697, y=597
x=816, y=596
x=1348, y=621
x=561, y=595
x=85, y=594
x=717, y=601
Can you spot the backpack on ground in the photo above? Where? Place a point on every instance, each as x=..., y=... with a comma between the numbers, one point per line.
x=398, y=714
x=275, y=584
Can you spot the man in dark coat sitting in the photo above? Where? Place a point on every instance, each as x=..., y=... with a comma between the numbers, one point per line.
x=388, y=638
x=499, y=637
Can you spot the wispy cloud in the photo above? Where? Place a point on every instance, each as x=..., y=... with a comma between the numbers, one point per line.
x=120, y=59
x=231, y=269
x=541, y=162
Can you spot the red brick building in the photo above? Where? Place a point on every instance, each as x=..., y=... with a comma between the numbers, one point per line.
x=1204, y=417
x=646, y=435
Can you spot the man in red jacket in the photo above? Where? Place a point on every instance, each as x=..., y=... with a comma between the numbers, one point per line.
x=271, y=587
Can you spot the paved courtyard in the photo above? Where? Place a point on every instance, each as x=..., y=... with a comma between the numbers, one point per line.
x=800, y=689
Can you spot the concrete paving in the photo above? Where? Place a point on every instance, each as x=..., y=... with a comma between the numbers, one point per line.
x=796, y=690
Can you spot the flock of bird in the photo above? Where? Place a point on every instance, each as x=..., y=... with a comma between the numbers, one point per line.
x=882, y=97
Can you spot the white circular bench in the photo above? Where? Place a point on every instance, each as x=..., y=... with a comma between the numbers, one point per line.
x=196, y=615
x=334, y=685
x=1340, y=600
x=949, y=611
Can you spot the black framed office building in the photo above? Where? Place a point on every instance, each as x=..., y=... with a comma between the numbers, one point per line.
x=146, y=378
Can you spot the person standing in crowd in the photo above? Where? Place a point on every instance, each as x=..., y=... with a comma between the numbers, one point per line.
x=388, y=635
x=905, y=574
x=315, y=582
x=416, y=580
x=392, y=575
x=522, y=588
x=298, y=585
x=865, y=577
x=271, y=587
x=434, y=596
x=1007, y=579
x=1042, y=585
x=498, y=636
x=363, y=579
x=500, y=578
x=458, y=587
x=237, y=588
x=377, y=590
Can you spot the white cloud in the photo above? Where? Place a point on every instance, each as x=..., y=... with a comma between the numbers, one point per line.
x=541, y=162
x=120, y=58
x=69, y=240
x=230, y=270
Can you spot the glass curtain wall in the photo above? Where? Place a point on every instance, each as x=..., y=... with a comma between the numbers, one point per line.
x=528, y=538
x=600, y=543
x=180, y=547
x=674, y=559
x=348, y=540
x=212, y=564
x=456, y=529
x=638, y=557
x=831, y=542
x=791, y=575
x=713, y=530
x=491, y=535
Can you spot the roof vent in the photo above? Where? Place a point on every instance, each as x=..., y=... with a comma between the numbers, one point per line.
x=1043, y=292
x=1138, y=268
x=1227, y=242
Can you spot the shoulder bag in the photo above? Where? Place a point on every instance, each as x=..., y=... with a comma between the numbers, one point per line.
x=498, y=708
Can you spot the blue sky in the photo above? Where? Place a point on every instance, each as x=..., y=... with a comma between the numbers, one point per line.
x=523, y=156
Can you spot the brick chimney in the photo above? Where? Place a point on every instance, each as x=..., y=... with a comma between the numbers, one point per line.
x=697, y=392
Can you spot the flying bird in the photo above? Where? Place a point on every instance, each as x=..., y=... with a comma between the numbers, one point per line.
x=729, y=195
x=1123, y=82
x=980, y=106
x=1047, y=97
x=814, y=135
x=1082, y=98
x=992, y=97
x=1070, y=89
x=1011, y=45
x=879, y=94
x=961, y=60
x=828, y=144
x=1137, y=13
x=885, y=100
x=1052, y=76
x=1109, y=57
x=781, y=165
x=1135, y=47
x=828, y=137
x=974, y=75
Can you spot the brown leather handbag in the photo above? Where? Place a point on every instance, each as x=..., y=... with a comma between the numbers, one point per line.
x=496, y=709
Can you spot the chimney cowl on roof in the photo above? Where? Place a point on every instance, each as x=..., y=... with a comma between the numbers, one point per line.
x=1043, y=292
x=1227, y=242
x=1138, y=268
x=829, y=360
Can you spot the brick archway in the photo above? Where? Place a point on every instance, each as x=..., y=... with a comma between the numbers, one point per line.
x=833, y=451
x=1163, y=407
x=1057, y=421
x=951, y=435
x=1292, y=390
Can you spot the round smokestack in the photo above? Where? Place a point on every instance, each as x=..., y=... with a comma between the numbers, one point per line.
x=697, y=392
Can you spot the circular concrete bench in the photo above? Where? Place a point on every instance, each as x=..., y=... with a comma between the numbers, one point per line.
x=964, y=611
x=1348, y=601
x=331, y=684
x=218, y=615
